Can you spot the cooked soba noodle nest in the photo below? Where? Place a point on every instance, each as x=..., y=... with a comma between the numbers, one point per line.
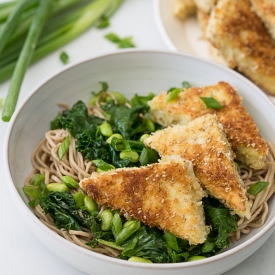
x=45, y=161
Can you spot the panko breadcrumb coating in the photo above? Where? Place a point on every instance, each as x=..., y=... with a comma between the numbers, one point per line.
x=203, y=142
x=241, y=130
x=165, y=194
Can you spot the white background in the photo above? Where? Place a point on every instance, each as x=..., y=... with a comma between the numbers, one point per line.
x=21, y=253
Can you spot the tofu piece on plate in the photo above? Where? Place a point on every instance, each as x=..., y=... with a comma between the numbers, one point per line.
x=203, y=142
x=265, y=9
x=166, y=195
x=240, y=35
x=205, y=5
x=241, y=130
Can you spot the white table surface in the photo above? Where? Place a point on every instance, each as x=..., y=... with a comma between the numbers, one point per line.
x=21, y=253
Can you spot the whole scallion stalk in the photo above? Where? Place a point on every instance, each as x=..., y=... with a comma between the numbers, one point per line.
x=25, y=58
x=10, y=25
x=57, y=32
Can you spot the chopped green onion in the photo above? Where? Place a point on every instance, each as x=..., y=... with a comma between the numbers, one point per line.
x=126, y=232
x=121, y=42
x=64, y=147
x=110, y=244
x=257, y=187
x=120, y=144
x=150, y=125
x=126, y=43
x=211, y=102
x=102, y=165
x=118, y=136
x=103, y=23
x=57, y=187
x=31, y=191
x=64, y=58
x=173, y=94
x=37, y=178
x=185, y=85
x=112, y=37
x=70, y=182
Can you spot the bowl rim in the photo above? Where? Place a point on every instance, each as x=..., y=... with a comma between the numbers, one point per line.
x=24, y=208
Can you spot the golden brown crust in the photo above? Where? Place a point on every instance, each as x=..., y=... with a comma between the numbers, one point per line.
x=166, y=195
x=265, y=9
x=236, y=30
x=203, y=142
x=205, y=5
x=241, y=130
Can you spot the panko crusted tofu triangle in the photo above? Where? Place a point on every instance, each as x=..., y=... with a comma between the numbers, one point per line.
x=203, y=142
x=239, y=127
x=240, y=35
x=166, y=195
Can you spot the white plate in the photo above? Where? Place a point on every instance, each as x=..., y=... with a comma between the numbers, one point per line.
x=181, y=35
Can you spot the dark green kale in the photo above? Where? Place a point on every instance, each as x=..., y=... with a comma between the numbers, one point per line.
x=147, y=243
x=127, y=121
x=124, y=120
x=222, y=223
x=77, y=120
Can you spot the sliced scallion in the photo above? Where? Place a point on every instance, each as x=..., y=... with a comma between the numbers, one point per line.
x=257, y=187
x=64, y=147
x=211, y=102
x=64, y=58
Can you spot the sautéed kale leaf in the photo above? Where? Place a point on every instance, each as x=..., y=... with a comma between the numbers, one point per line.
x=149, y=243
x=126, y=120
x=91, y=143
x=77, y=120
x=222, y=222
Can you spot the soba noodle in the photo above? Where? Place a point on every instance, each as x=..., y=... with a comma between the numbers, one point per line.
x=45, y=161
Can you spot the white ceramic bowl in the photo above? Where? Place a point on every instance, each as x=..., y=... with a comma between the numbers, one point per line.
x=129, y=72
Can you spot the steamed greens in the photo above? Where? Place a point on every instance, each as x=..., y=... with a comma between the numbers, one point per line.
x=115, y=142
x=141, y=240
x=123, y=120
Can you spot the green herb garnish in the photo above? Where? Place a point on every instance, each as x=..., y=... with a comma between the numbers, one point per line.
x=64, y=58
x=121, y=42
x=172, y=94
x=103, y=23
x=64, y=147
x=186, y=84
x=102, y=165
x=211, y=103
x=257, y=187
